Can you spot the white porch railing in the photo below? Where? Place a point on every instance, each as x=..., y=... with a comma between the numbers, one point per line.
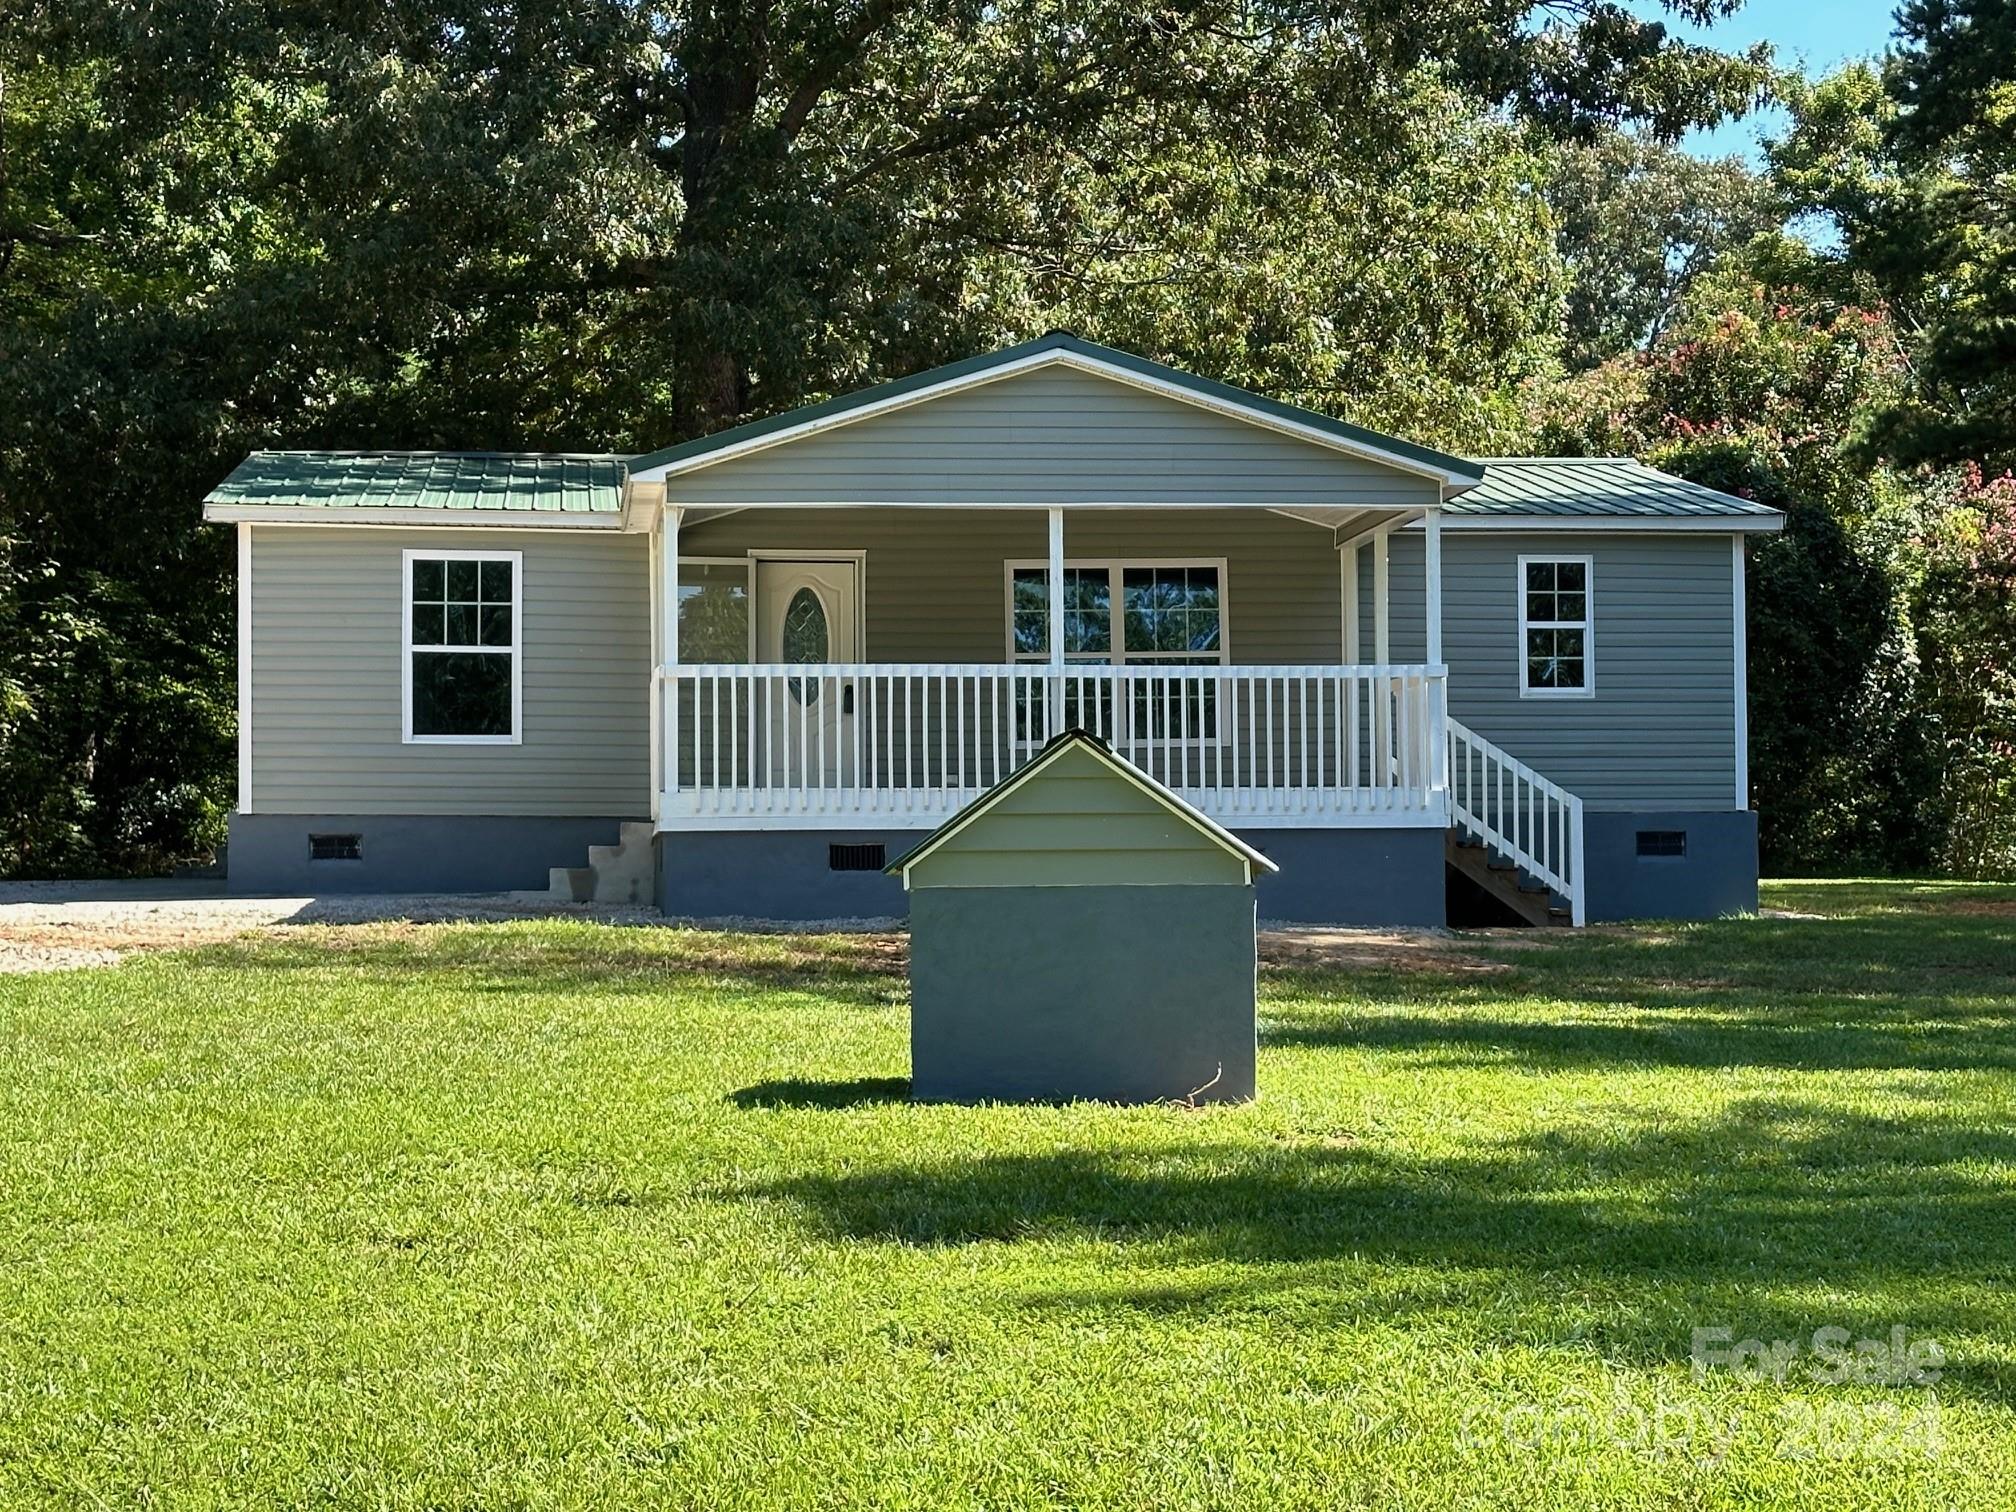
x=1533, y=823
x=779, y=746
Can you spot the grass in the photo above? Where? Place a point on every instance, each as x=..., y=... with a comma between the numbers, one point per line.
x=558, y=1215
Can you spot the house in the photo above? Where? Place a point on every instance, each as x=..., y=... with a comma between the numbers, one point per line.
x=740, y=674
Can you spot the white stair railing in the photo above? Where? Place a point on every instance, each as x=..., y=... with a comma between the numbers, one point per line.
x=1497, y=799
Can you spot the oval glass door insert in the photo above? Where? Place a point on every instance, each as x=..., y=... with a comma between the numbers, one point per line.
x=806, y=640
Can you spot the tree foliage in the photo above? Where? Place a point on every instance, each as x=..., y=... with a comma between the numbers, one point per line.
x=1914, y=163
x=1761, y=394
x=1638, y=221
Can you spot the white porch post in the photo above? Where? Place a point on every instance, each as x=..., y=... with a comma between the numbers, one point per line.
x=668, y=618
x=1434, y=586
x=1347, y=723
x=1382, y=653
x=1382, y=638
x=1054, y=701
x=1348, y=561
x=1438, y=687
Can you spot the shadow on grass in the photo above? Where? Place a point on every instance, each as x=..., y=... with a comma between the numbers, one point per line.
x=863, y=1091
x=857, y=970
x=1902, y=990
x=1619, y=1238
x=1673, y=1036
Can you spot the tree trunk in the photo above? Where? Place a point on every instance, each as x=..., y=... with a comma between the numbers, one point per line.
x=726, y=64
x=720, y=390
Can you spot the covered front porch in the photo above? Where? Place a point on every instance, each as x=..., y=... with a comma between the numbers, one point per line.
x=815, y=666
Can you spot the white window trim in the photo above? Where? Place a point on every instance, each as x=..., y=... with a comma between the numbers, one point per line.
x=748, y=565
x=1587, y=625
x=1117, y=655
x=516, y=649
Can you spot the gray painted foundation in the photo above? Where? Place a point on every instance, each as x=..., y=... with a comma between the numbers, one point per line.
x=1122, y=994
x=407, y=853
x=777, y=875
x=1352, y=876
x=1356, y=876
x=1717, y=876
x=1330, y=876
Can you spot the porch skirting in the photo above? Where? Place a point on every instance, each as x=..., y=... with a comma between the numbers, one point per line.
x=1328, y=876
x=408, y=853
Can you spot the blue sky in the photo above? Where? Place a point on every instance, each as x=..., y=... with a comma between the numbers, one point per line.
x=1817, y=35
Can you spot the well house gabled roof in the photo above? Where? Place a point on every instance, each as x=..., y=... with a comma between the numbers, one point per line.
x=1059, y=747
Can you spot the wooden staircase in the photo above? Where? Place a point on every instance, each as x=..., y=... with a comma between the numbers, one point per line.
x=1527, y=896
x=1514, y=833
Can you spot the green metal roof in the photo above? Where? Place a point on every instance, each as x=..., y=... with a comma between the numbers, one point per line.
x=1054, y=341
x=514, y=482
x=589, y=487
x=1597, y=487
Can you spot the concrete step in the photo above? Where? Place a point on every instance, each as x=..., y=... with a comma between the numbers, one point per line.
x=572, y=884
x=623, y=872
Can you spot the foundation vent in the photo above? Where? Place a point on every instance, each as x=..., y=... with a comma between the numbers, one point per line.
x=857, y=857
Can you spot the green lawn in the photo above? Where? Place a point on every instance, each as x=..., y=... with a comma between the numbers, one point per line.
x=563, y=1215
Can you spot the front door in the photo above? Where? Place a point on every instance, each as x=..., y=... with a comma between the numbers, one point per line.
x=809, y=614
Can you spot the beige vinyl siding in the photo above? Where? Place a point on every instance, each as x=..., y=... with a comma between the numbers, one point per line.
x=1077, y=823
x=1056, y=436
x=1660, y=731
x=936, y=588
x=326, y=678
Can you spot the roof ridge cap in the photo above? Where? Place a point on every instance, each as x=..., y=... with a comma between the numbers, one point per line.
x=1508, y=461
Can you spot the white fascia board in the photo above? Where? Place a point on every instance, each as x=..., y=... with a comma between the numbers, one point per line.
x=704, y=513
x=1453, y=482
x=394, y=519
x=1664, y=524
x=1432, y=817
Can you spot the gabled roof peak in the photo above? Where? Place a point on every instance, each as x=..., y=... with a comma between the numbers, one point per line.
x=1451, y=472
x=1059, y=745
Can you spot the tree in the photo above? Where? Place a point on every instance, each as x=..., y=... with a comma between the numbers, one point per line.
x=1965, y=603
x=1759, y=394
x=1914, y=163
x=1637, y=222
x=1411, y=298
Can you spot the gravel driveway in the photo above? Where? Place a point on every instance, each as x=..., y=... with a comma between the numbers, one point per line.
x=52, y=926
x=48, y=926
